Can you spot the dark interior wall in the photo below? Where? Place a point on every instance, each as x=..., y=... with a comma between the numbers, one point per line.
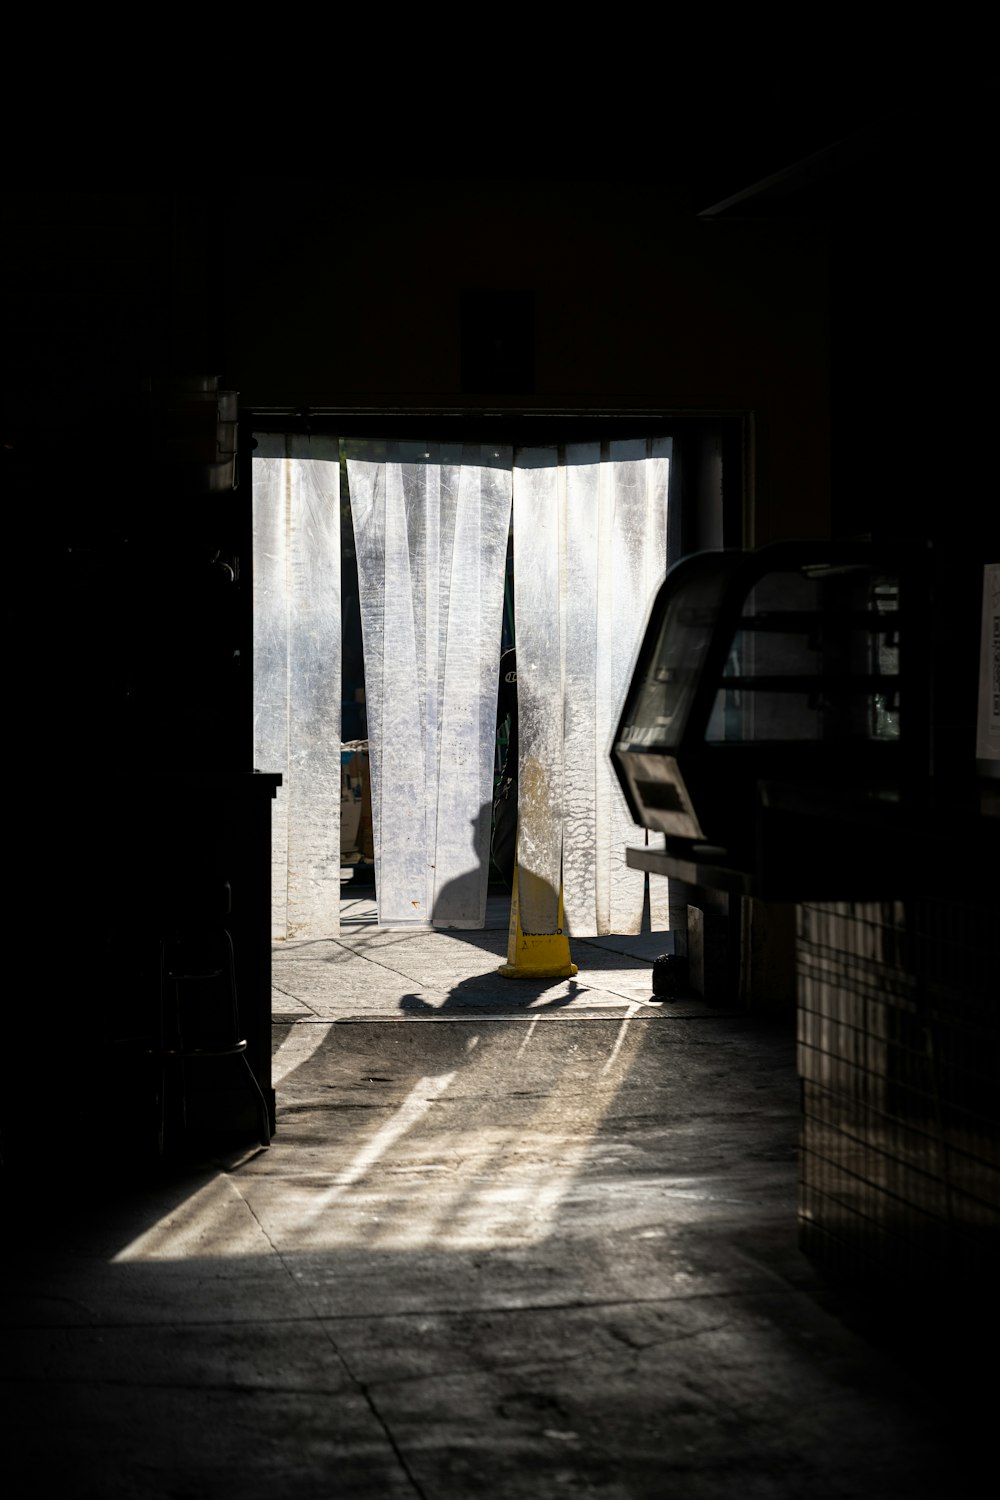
x=354, y=296
x=351, y=294
x=845, y=307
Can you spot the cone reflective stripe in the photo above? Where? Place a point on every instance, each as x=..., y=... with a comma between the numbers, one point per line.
x=535, y=955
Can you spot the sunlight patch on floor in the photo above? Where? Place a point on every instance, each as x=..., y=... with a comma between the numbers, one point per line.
x=439, y=1173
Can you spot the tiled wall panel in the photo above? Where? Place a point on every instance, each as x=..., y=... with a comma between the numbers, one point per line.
x=899, y=1057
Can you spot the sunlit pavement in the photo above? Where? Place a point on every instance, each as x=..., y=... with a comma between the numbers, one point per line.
x=510, y=1240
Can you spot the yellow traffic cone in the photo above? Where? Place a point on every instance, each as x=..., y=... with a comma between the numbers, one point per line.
x=536, y=955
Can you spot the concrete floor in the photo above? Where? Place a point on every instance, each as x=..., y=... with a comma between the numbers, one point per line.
x=509, y=1241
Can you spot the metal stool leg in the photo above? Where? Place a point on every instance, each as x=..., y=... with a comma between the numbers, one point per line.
x=263, y=1111
x=175, y=1046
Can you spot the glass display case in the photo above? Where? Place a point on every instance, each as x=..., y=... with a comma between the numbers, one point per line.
x=794, y=666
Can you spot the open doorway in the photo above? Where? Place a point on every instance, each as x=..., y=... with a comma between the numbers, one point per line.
x=340, y=847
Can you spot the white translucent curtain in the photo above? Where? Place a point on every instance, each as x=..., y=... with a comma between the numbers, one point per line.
x=590, y=547
x=297, y=673
x=431, y=523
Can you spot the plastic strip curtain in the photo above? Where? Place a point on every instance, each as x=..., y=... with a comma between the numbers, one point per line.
x=590, y=546
x=431, y=524
x=297, y=676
